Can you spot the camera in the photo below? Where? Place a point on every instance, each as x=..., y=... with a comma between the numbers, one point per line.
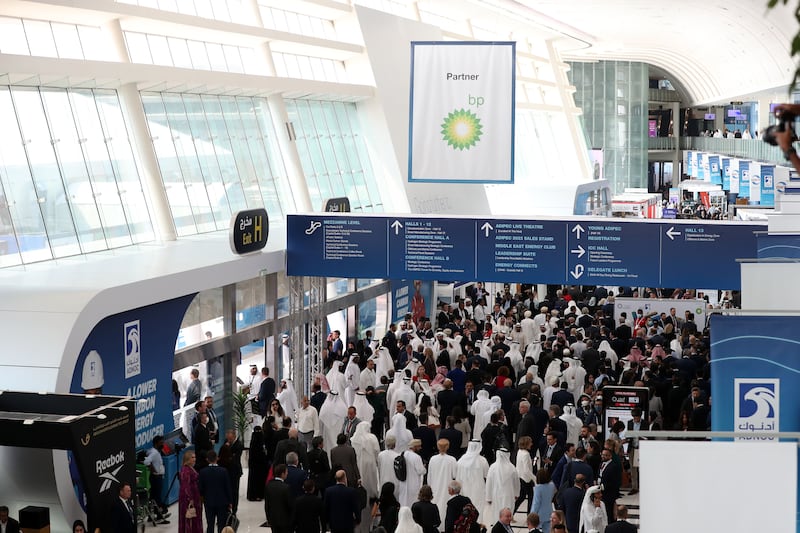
x=785, y=121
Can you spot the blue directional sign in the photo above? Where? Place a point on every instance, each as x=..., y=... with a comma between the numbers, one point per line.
x=325, y=245
x=441, y=248
x=599, y=251
x=512, y=249
x=609, y=252
x=706, y=254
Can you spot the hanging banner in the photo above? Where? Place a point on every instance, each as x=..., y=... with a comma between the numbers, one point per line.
x=756, y=375
x=715, y=172
x=411, y=296
x=725, y=163
x=461, y=120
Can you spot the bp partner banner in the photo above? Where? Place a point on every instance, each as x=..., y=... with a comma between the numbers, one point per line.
x=756, y=375
x=461, y=120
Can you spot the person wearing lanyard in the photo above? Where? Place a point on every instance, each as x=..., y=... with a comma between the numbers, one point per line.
x=154, y=460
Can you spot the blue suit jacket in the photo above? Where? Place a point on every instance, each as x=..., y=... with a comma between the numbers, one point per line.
x=215, y=487
x=294, y=478
x=341, y=508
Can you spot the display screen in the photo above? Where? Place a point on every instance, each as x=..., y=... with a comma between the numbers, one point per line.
x=710, y=116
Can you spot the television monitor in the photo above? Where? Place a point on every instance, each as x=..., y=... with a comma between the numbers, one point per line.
x=734, y=113
x=710, y=116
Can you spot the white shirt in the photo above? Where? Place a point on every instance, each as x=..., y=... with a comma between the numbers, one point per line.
x=153, y=458
x=308, y=420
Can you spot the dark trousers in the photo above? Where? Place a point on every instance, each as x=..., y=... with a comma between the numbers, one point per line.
x=218, y=514
x=156, y=488
x=525, y=491
x=235, y=492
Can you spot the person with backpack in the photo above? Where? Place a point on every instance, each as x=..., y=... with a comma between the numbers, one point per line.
x=462, y=516
x=414, y=472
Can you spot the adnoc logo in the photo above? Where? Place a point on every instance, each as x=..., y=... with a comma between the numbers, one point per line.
x=133, y=349
x=756, y=407
x=103, y=468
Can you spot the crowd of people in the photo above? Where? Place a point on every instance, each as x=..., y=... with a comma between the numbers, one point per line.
x=455, y=422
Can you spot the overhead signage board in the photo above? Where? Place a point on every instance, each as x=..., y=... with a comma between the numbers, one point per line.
x=515, y=249
x=581, y=250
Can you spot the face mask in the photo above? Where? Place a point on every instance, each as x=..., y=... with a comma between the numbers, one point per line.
x=585, y=403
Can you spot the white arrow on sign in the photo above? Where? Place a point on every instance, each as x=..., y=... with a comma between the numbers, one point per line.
x=671, y=233
x=486, y=227
x=397, y=225
x=578, y=272
x=577, y=229
x=580, y=251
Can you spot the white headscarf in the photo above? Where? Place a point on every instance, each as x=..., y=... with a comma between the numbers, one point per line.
x=402, y=435
x=516, y=358
x=472, y=470
x=288, y=399
x=367, y=448
x=592, y=517
x=479, y=408
x=405, y=522
x=610, y=353
x=364, y=410
x=336, y=378
x=502, y=484
x=331, y=416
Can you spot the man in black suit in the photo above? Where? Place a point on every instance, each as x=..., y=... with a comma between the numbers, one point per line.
x=449, y=398
x=427, y=436
x=453, y=436
x=266, y=392
x=309, y=513
x=556, y=425
x=202, y=441
x=230, y=458
x=550, y=452
x=533, y=421
x=318, y=397
x=278, y=501
x=570, y=500
x=10, y=525
x=611, y=479
x=343, y=457
x=562, y=397
x=503, y=525
x=215, y=488
x=123, y=517
x=291, y=444
x=455, y=505
x=621, y=525
x=342, y=513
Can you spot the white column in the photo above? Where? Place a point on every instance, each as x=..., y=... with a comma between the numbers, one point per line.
x=677, y=123
x=291, y=159
x=568, y=104
x=154, y=189
x=113, y=31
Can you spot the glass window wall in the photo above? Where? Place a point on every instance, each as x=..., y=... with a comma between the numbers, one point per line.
x=333, y=153
x=218, y=155
x=68, y=181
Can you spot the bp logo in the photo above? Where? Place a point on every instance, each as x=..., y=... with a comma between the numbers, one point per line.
x=756, y=405
x=462, y=129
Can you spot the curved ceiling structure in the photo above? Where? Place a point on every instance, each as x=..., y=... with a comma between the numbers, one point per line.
x=716, y=50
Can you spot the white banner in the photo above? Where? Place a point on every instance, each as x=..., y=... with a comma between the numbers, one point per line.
x=462, y=112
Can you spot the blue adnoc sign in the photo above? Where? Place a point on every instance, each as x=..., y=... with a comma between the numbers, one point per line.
x=131, y=354
x=601, y=251
x=756, y=375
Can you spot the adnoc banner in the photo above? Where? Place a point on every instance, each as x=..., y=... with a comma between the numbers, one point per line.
x=756, y=375
x=131, y=354
x=461, y=123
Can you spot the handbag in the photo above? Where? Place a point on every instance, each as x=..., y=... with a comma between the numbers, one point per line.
x=191, y=512
x=232, y=521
